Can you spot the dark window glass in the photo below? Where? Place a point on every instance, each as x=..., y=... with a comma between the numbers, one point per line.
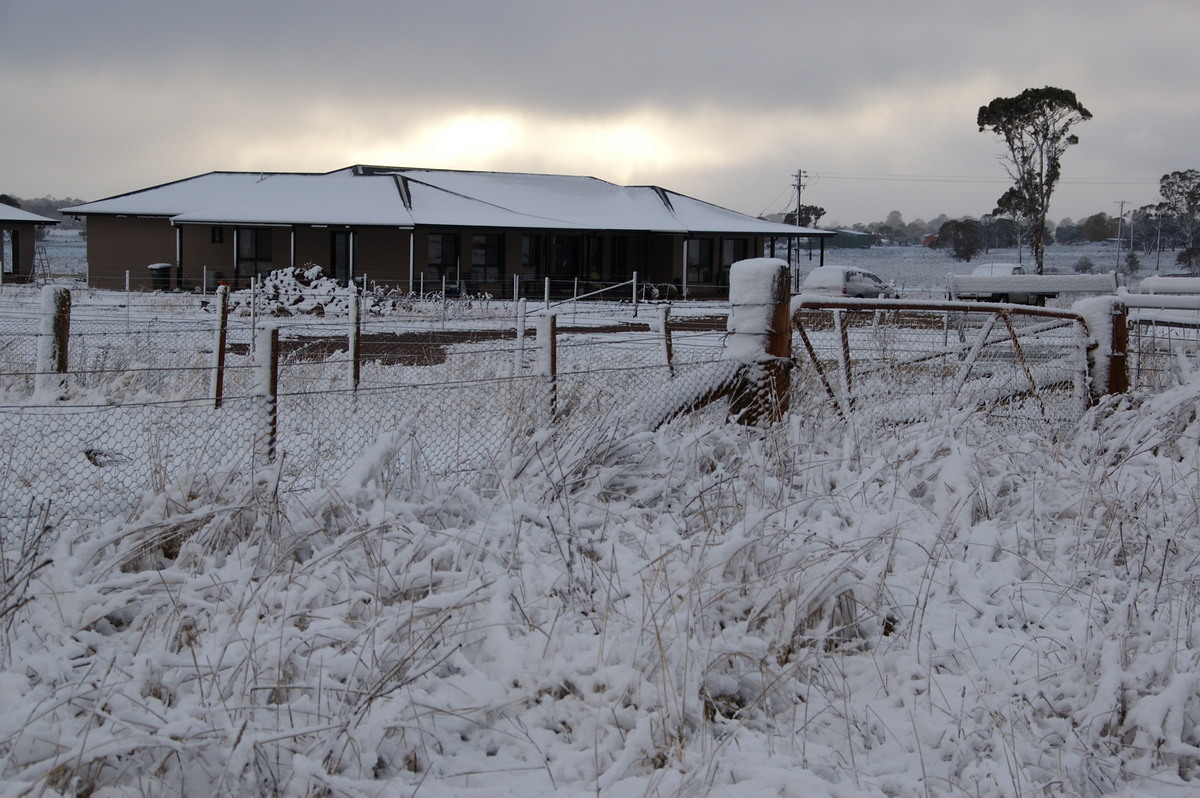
x=487, y=255
x=443, y=254
x=700, y=260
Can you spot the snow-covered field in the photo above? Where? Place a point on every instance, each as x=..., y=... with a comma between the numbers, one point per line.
x=942, y=608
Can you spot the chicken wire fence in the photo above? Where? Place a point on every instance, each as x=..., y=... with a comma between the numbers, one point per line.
x=138, y=418
x=133, y=417
x=887, y=364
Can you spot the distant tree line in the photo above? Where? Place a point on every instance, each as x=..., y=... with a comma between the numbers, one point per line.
x=48, y=207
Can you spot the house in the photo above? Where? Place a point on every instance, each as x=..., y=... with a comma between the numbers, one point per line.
x=17, y=248
x=851, y=239
x=415, y=228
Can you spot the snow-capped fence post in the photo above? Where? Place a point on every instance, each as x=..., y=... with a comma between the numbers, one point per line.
x=760, y=327
x=547, y=365
x=1106, y=319
x=217, y=384
x=664, y=321
x=52, y=342
x=355, y=339
x=267, y=390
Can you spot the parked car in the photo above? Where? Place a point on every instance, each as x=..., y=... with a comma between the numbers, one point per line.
x=845, y=281
x=1010, y=291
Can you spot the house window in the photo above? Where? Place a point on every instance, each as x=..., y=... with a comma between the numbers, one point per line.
x=487, y=257
x=340, y=255
x=566, y=255
x=531, y=257
x=443, y=254
x=217, y=235
x=254, y=251
x=732, y=250
x=700, y=260
x=619, y=268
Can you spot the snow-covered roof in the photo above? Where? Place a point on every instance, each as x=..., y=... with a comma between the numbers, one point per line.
x=10, y=214
x=405, y=198
x=264, y=198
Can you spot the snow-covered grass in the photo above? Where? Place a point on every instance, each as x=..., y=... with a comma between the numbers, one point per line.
x=705, y=609
x=813, y=609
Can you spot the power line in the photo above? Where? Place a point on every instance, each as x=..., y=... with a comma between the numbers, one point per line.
x=922, y=178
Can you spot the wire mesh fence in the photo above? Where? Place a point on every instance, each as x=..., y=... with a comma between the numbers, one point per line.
x=134, y=414
x=138, y=420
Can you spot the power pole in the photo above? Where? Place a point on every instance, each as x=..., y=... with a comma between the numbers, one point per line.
x=1121, y=203
x=801, y=177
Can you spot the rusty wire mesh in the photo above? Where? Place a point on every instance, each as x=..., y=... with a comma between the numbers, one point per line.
x=1162, y=351
x=896, y=365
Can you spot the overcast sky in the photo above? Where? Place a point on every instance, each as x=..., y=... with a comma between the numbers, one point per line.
x=725, y=101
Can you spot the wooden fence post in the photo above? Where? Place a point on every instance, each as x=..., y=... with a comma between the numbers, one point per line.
x=55, y=330
x=218, y=373
x=267, y=390
x=1118, y=350
x=760, y=325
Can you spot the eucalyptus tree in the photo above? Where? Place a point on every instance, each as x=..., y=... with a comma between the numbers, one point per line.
x=1036, y=129
x=1181, y=201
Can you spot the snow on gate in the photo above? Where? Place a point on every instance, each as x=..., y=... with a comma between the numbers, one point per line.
x=884, y=362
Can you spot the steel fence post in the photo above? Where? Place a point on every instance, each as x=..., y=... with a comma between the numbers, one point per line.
x=267, y=390
x=547, y=334
x=519, y=358
x=664, y=320
x=355, y=339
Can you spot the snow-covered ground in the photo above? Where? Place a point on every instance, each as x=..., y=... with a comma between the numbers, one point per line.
x=942, y=608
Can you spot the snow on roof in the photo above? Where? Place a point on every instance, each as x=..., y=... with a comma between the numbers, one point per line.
x=404, y=197
x=10, y=214
x=264, y=198
x=502, y=199
x=703, y=217
x=338, y=198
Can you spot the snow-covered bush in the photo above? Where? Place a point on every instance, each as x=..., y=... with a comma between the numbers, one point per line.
x=292, y=291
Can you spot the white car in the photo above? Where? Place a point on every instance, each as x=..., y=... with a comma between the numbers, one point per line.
x=846, y=281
